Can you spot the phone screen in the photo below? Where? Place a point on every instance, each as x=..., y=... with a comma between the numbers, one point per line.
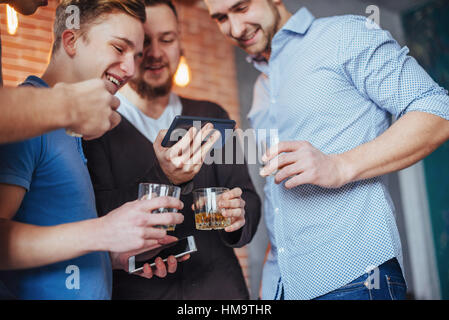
x=181, y=124
x=182, y=246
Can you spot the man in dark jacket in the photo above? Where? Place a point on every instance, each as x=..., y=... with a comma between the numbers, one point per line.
x=132, y=153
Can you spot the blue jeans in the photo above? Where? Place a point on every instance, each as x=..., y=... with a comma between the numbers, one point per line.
x=386, y=283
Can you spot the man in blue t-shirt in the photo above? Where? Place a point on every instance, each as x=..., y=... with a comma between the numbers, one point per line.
x=48, y=222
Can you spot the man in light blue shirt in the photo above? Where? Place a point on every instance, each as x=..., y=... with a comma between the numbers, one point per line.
x=330, y=87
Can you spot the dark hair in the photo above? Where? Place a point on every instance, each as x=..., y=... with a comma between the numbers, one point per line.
x=91, y=10
x=169, y=3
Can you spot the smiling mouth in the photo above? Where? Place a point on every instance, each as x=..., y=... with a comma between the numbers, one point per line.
x=155, y=67
x=116, y=81
x=247, y=40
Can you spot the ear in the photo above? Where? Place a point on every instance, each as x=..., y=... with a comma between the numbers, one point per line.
x=68, y=40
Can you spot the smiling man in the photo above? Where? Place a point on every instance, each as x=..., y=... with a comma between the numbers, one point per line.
x=330, y=86
x=48, y=219
x=148, y=106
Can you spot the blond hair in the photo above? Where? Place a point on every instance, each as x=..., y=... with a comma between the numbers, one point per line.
x=90, y=13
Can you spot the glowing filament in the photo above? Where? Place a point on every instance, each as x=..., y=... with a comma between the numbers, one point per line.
x=13, y=20
x=182, y=75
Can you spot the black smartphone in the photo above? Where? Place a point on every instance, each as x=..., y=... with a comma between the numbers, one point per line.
x=177, y=249
x=181, y=124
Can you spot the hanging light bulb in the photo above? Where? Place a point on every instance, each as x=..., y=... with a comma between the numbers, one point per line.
x=13, y=20
x=182, y=75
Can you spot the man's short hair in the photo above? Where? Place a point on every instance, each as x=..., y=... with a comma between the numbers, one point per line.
x=169, y=3
x=90, y=11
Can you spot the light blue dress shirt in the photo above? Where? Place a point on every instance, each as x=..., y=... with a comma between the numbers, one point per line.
x=334, y=82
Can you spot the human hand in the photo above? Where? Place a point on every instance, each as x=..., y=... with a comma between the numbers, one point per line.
x=120, y=261
x=301, y=163
x=90, y=106
x=183, y=161
x=233, y=206
x=131, y=226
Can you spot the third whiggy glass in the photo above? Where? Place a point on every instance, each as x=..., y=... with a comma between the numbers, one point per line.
x=207, y=212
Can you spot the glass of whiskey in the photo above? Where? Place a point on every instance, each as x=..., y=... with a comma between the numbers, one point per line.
x=208, y=215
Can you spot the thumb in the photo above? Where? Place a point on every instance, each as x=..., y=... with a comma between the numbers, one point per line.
x=159, y=138
x=115, y=119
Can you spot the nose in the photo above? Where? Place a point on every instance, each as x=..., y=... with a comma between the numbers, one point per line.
x=154, y=50
x=128, y=66
x=237, y=28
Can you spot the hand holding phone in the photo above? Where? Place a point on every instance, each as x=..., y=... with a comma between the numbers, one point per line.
x=161, y=268
x=181, y=125
x=177, y=249
x=182, y=162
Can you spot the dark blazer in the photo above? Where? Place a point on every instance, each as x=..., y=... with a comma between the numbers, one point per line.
x=122, y=159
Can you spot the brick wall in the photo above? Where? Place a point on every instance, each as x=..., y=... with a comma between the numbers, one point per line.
x=209, y=56
x=26, y=52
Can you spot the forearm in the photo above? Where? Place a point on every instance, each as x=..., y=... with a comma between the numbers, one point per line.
x=28, y=246
x=409, y=140
x=28, y=112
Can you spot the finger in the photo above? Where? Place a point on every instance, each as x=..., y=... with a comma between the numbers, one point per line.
x=149, y=244
x=160, y=202
x=201, y=136
x=115, y=103
x=195, y=155
x=298, y=180
x=238, y=224
x=147, y=271
x=183, y=146
x=153, y=234
x=279, y=162
x=230, y=204
x=172, y=264
x=234, y=193
x=114, y=120
x=184, y=258
x=168, y=218
x=158, y=141
x=288, y=171
x=286, y=146
x=161, y=270
x=236, y=213
x=205, y=149
x=167, y=239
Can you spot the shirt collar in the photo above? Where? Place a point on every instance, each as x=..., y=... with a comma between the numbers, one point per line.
x=299, y=23
x=35, y=82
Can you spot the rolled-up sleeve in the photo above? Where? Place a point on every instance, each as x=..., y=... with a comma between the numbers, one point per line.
x=385, y=73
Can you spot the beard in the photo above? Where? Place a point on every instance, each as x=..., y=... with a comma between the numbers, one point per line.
x=268, y=33
x=146, y=91
x=271, y=32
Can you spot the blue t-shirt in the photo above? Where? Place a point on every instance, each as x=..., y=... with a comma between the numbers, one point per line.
x=52, y=168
